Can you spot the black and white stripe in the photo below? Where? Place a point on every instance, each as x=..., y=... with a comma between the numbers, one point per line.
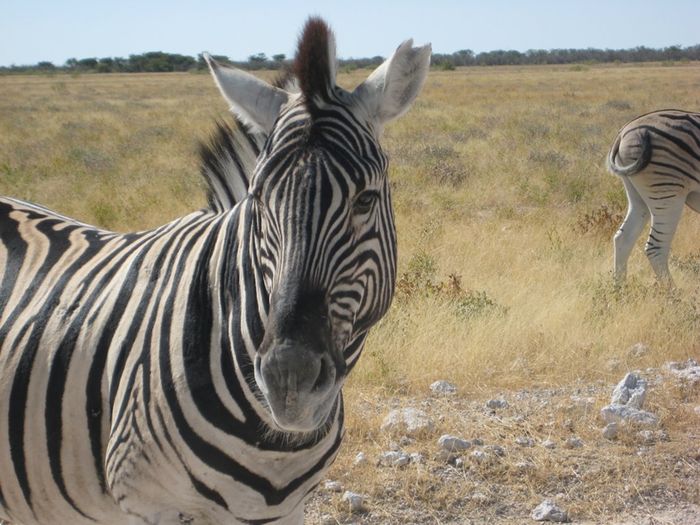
x=192, y=373
x=657, y=156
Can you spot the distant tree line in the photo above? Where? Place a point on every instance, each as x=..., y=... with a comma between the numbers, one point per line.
x=467, y=57
x=157, y=61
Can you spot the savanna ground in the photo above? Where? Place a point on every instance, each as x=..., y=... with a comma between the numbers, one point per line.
x=505, y=215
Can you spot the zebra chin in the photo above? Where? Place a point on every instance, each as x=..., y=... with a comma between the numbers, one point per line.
x=299, y=384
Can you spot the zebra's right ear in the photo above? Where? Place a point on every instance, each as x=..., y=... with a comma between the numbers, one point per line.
x=252, y=100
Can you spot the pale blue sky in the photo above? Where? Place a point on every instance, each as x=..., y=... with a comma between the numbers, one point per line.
x=53, y=30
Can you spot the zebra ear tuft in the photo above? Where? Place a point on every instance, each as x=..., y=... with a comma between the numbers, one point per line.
x=391, y=88
x=314, y=63
x=254, y=101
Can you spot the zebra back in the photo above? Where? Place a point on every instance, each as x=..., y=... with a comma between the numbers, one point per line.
x=227, y=163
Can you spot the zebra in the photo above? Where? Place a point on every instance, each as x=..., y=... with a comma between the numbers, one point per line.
x=657, y=156
x=192, y=373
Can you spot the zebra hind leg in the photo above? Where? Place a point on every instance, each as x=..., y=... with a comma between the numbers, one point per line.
x=664, y=222
x=630, y=230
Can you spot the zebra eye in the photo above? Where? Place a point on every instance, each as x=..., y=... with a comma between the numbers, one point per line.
x=364, y=202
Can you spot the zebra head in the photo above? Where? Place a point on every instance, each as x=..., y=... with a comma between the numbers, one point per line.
x=322, y=210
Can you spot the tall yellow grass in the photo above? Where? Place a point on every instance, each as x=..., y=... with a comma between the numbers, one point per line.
x=498, y=179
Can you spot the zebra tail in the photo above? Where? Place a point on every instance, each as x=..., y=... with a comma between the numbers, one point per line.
x=636, y=166
x=227, y=162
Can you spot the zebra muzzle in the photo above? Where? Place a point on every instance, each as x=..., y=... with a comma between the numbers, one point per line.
x=299, y=384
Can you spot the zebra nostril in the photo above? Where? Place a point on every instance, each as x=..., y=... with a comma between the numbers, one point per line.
x=323, y=377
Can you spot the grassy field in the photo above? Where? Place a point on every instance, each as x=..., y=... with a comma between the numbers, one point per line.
x=505, y=216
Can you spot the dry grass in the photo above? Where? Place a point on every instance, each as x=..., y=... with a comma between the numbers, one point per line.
x=505, y=215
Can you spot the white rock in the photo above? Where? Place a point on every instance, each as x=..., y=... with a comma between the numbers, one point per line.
x=631, y=392
x=328, y=519
x=333, y=486
x=453, y=443
x=443, y=387
x=573, y=442
x=496, y=403
x=622, y=413
x=638, y=350
x=525, y=466
x=417, y=458
x=548, y=511
x=610, y=430
x=548, y=443
x=445, y=456
x=496, y=450
x=458, y=462
x=479, y=497
x=356, y=502
x=404, y=442
x=685, y=370
x=410, y=421
x=360, y=459
x=647, y=437
x=524, y=441
x=697, y=410
x=479, y=456
x=394, y=459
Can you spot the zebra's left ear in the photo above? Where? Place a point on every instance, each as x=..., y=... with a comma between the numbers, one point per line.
x=254, y=101
x=391, y=89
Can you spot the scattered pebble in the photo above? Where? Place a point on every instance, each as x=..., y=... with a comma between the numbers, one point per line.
x=573, y=442
x=360, y=459
x=496, y=450
x=638, y=350
x=445, y=456
x=524, y=441
x=443, y=387
x=333, y=486
x=394, y=459
x=328, y=519
x=405, y=441
x=479, y=497
x=549, y=511
x=647, y=437
x=582, y=402
x=479, y=456
x=453, y=443
x=525, y=466
x=494, y=404
x=685, y=370
x=610, y=431
x=548, y=443
x=417, y=458
x=356, y=502
x=410, y=421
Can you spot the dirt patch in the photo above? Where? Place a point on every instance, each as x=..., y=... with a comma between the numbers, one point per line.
x=543, y=443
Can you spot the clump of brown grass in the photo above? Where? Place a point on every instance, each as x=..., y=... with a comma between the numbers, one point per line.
x=602, y=221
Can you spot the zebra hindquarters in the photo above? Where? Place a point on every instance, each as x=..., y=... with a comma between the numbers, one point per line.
x=657, y=156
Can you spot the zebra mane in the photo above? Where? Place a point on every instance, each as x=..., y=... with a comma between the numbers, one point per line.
x=227, y=163
x=314, y=63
